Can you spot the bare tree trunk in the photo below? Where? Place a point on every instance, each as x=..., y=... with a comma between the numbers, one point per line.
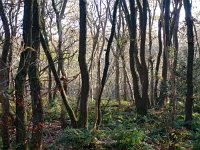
x=141, y=104
x=125, y=94
x=50, y=96
x=61, y=69
x=33, y=73
x=117, y=56
x=122, y=55
x=20, y=80
x=117, y=93
x=103, y=26
x=151, y=59
x=158, y=59
x=4, y=80
x=58, y=82
x=130, y=87
x=83, y=117
x=163, y=86
x=190, y=39
x=144, y=72
x=95, y=48
x=43, y=26
x=97, y=121
x=174, y=34
x=59, y=16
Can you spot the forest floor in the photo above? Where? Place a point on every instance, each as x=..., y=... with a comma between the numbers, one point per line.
x=122, y=129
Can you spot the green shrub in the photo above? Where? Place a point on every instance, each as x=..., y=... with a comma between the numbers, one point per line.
x=127, y=138
x=75, y=138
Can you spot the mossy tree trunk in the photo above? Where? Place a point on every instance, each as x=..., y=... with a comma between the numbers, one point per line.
x=33, y=73
x=4, y=80
x=20, y=80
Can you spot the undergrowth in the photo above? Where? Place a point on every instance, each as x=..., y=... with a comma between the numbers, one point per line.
x=122, y=129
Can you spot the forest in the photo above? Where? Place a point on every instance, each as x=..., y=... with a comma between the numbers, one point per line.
x=99, y=74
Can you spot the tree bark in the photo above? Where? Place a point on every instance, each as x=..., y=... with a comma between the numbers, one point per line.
x=144, y=72
x=43, y=27
x=151, y=59
x=33, y=73
x=83, y=117
x=174, y=34
x=163, y=86
x=141, y=106
x=20, y=80
x=59, y=16
x=158, y=59
x=4, y=80
x=190, y=59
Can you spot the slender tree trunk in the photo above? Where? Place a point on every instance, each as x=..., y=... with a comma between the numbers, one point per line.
x=61, y=69
x=117, y=76
x=130, y=87
x=158, y=59
x=144, y=72
x=122, y=55
x=97, y=121
x=151, y=60
x=163, y=86
x=103, y=26
x=4, y=84
x=37, y=108
x=117, y=56
x=4, y=80
x=134, y=60
x=59, y=16
x=124, y=81
x=20, y=80
x=83, y=117
x=43, y=26
x=50, y=96
x=58, y=82
x=190, y=39
x=174, y=34
x=132, y=54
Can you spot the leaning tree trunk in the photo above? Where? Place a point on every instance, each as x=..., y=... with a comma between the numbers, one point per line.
x=59, y=15
x=37, y=110
x=4, y=80
x=20, y=80
x=97, y=121
x=60, y=55
x=50, y=82
x=58, y=82
x=190, y=38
